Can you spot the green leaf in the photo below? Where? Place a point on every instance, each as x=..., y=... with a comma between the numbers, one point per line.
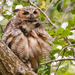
x=44, y=73
x=7, y=16
x=41, y=69
x=50, y=0
x=72, y=1
x=71, y=33
x=54, y=46
x=71, y=23
x=15, y=3
x=72, y=40
x=55, y=51
x=4, y=12
x=58, y=23
x=24, y=4
x=65, y=33
x=63, y=69
x=66, y=53
x=59, y=42
x=59, y=31
x=3, y=4
x=51, y=32
x=52, y=57
x=73, y=11
x=55, y=4
x=1, y=34
x=71, y=52
x=42, y=17
x=59, y=7
x=65, y=3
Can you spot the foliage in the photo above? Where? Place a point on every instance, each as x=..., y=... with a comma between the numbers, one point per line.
x=59, y=11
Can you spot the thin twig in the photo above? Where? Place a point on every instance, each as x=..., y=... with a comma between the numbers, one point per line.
x=59, y=63
x=44, y=14
x=64, y=49
x=49, y=5
x=69, y=9
x=57, y=60
x=61, y=52
x=71, y=47
x=51, y=69
x=65, y=15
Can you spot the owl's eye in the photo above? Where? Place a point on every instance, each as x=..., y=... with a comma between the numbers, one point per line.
x=35, y=12
x=25, y=13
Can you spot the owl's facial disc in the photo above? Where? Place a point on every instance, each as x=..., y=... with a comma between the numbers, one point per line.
x=28, y=13
x=28, y=16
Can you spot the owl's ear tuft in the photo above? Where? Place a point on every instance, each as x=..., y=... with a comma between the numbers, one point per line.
x=16, y=10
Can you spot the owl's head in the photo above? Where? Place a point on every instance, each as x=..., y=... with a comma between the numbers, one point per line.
x=28, y=13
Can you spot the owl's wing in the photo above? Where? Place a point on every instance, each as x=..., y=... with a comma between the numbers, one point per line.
x=7, y=31
x=11, y=29
x=43, y=39
x=10, y=32
x=44, y=35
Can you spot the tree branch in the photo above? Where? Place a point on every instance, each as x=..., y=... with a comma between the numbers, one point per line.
x=70, y=44
x=58, y=55
x=10, y=64
x=57, y=60
x=64, y=49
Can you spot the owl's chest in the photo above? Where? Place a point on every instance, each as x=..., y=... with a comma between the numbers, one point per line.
x=28, y=26
x=25, y=46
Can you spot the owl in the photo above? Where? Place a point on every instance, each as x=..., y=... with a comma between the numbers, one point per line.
x=26, y=37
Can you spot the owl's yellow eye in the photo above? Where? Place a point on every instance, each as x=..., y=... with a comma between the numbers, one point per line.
x=35, y=12
x=25, y=13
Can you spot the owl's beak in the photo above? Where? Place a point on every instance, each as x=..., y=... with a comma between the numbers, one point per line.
x=31, y=17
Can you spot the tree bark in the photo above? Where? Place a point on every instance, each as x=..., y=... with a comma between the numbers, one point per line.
x=10, y=64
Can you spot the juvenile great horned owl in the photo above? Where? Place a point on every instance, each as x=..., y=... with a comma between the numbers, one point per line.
x=26, y=37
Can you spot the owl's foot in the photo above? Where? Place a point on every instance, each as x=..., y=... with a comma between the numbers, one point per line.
x=35, y=70
x=28, y=64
